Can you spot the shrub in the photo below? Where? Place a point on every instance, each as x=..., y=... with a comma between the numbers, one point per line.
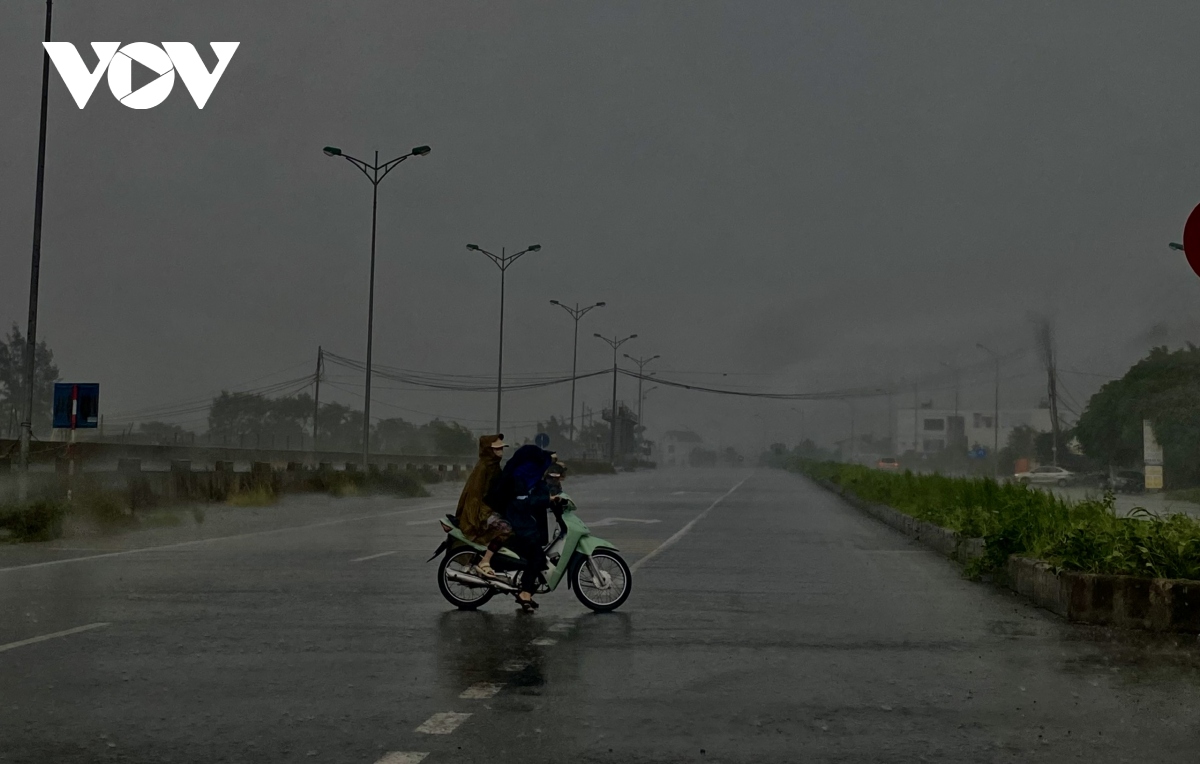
x=40, y=520
x=355, y=483
x=258, y=495
x=1085, y=535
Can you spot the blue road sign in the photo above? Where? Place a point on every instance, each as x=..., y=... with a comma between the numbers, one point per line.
x=979, y=452
x=76, y=405
x=541, y=440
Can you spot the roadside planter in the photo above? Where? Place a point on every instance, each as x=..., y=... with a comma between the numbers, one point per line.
x=1153, y=604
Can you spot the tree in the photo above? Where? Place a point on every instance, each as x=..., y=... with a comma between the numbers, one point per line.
x=396, y=436
x=161, y=432
x=449, y=438
x=12, y=383
x=1164, y=387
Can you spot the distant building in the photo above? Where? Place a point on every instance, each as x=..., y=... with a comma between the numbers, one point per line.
x=675, y=448
x=938, y=429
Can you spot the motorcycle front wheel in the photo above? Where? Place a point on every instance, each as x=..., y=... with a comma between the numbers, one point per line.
x=460, y=595
x=607, y=587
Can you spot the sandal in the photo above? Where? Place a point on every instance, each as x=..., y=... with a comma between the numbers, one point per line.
x=485, y=570
x=527, y=605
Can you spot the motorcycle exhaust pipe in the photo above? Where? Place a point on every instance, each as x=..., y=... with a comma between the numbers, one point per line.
x=467, y=578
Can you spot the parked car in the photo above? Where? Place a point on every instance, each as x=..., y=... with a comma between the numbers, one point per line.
x=1127, y=481
x=1046, y=475
x=889, y=463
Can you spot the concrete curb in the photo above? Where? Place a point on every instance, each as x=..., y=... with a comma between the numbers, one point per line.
x=1152, y=604
x=947, y=542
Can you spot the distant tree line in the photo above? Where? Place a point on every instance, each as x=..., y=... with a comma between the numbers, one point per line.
x=251, y=420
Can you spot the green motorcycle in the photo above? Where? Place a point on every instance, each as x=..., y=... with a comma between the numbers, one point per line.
x=592, y=566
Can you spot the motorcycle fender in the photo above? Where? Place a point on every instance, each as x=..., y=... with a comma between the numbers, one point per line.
x=440, y=549
x=455, y=537
x=589, y=544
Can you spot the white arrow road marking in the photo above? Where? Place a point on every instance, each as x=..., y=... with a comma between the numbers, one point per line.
x=44, y=637
x=402, y=757
x=615, y=520
x=443, y=723
x=481, y=691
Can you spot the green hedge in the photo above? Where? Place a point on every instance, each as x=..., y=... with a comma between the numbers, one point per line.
x=1086, y=535
x=40, y=520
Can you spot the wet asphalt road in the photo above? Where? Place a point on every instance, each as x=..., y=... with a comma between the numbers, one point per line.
x=782, y=626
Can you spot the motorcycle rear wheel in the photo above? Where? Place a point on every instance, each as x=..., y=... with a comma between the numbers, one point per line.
x=462, y=596
x=598, y=599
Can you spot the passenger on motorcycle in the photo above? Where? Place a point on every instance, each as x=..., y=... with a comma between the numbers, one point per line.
x=522, y=495
x=474, y=517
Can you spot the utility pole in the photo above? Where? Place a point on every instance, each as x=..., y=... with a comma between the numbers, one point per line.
x=641, y=364
x=612, y=440
x=575, y=313
x=502, y=261
x=916, y=414
x=375, y=173
x=892, y=421
x=35, y=268
x=996, y=411
x=853, y=436
x=1045, y=337
x=317, y=398
x=957, y=385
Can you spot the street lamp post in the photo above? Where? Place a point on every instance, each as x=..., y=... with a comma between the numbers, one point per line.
x=995, y=411
x=641, y=364
x=502, y=262
x=375, y=173
x=35, y=268
x=575, y=313
x=612, y=438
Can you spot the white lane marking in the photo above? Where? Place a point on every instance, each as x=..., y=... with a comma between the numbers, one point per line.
x=481, y=691
x=402, y=757
x=615, y=520
x=683, y=531
x=544, y=642
x=55, y=635
x=516, y=664
x=426, y=521
x=374, y=556
x=443, y=723
x=224, y=538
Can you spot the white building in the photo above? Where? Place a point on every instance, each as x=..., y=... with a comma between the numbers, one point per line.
x=675, y=447
x=935, y=429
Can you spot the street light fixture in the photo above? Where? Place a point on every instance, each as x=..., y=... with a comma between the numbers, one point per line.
x=996, y=411
x=612, y=438
x=375, y=173
x=502, y=261
x=575, y=313
x=641, y=363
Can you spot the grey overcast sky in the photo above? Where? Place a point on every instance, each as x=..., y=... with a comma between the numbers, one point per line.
x=799, y=195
